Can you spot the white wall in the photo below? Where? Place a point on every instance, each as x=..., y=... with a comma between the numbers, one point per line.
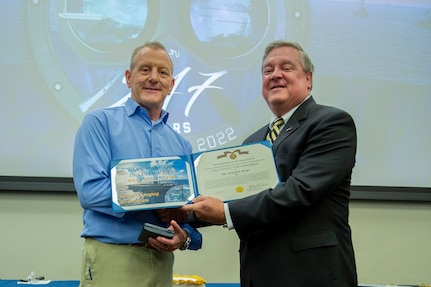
x=40, y=232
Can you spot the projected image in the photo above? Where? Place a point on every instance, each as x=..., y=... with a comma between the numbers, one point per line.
x=105, y=24
x=84, y=61
x=213, y=44
x=237, y=26
x=371, y=59
x=219, y=31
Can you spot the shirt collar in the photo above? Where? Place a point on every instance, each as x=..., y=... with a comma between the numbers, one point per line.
x=287, y=115
x=131, y=107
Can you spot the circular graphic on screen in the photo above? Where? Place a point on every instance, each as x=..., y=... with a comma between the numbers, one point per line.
x=103, y=29
x=103, y=26
x=234, y=27
x=82, y=49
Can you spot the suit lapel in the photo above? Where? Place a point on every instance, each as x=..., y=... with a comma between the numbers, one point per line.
x=288, y=129
x=294, y=122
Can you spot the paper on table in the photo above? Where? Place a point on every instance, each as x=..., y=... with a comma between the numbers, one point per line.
x=34, y=282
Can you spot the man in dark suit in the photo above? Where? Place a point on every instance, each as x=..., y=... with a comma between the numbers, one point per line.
x=297, y=233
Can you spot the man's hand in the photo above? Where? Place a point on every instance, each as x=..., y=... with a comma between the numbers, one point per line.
x=170, y=245
x=206, y=208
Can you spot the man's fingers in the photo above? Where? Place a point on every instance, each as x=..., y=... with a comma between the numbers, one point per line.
x=188, y=207
x=194, y=206
x=199, y=198
x=175, y=225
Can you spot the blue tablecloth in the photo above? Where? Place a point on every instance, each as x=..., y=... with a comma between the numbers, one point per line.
x=10, y=283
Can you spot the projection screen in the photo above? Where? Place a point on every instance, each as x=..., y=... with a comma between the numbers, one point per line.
x=62, y=59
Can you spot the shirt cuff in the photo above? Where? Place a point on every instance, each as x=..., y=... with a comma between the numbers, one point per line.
x=229, y=223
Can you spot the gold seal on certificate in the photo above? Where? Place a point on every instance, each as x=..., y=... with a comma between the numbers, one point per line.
x=164, y=182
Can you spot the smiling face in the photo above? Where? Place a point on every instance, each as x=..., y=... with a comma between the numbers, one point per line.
x=150, y=79
x=284, y=82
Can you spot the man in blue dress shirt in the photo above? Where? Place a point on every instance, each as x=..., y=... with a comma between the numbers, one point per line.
x=112, y=253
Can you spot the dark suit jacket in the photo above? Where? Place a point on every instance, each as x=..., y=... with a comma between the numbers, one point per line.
x=298, y=234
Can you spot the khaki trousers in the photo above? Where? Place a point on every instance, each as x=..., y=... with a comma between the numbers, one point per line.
x=106, y=265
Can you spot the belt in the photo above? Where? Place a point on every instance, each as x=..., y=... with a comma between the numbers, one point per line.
x=140, y=244
x=145, y=245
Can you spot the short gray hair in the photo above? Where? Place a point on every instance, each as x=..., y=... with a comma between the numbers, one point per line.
x=153, y=45
x=304, y=59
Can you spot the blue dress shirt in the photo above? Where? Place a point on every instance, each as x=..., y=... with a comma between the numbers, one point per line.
x=115, y=133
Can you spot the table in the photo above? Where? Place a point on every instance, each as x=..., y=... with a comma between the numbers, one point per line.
x=75, y=283
x=10, y=283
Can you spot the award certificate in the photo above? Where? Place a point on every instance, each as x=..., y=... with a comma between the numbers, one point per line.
x=167, y=182
x=236, y=172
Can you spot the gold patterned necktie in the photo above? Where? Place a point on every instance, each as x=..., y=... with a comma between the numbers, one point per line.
x=275, y=129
